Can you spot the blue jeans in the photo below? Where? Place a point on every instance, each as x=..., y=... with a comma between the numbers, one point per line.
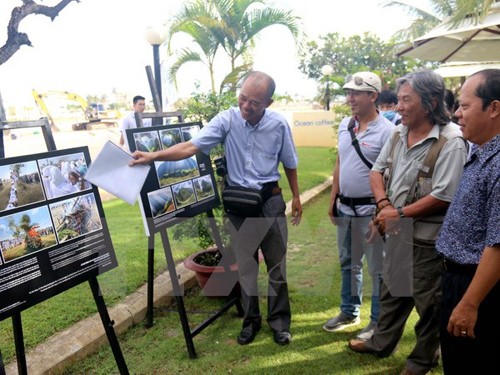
x=352, y=249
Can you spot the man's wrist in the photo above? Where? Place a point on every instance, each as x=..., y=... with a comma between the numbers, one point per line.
x=400, y=212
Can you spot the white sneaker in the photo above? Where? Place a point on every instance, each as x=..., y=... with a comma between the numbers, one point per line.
x=367, y=332
x=340, y=322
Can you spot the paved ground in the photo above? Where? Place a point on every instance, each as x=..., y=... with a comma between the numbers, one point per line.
x=85, y=337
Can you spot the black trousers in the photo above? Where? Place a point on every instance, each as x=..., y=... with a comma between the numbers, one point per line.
x=270, y=233
x=465, y=355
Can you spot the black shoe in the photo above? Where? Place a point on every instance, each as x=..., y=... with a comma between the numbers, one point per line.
x=248, y=333
x=282, y=337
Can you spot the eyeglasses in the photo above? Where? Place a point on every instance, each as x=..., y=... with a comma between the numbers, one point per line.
x=358, y=81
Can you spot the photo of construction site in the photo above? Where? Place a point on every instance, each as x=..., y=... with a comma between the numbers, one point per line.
x=26, y=232
x=19, y=185
x=75, y=217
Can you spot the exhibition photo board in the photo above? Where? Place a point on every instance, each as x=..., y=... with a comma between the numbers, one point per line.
x=53, y=233
x=173, y=189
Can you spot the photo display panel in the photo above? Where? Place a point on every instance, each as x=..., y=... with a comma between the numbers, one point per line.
x=53, y=234
x=174, y=189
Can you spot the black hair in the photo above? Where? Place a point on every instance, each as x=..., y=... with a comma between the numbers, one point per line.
x=489, y=89
x=388, y=96
x=137, y=98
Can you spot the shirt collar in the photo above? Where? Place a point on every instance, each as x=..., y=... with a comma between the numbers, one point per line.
x=486, y=151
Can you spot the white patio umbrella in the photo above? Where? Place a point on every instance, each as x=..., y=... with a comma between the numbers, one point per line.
x=469, y=42
x=464, y=69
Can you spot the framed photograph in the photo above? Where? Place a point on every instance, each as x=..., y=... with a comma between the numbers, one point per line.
x=53, y=235
x=174, y=189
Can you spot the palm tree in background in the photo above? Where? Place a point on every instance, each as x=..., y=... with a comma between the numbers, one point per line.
x=230, y=25
x=425, y=20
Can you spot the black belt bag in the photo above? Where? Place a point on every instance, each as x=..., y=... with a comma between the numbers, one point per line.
x=248, y=202
x=242, y=201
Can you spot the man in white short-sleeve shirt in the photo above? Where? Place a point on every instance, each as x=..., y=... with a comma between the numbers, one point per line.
x=129, y=120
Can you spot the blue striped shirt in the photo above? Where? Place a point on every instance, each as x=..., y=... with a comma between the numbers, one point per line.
x=473, y=219
x=253, y=153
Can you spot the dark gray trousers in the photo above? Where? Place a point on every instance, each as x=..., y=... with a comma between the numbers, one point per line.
x=271, y=235
x=425, y=296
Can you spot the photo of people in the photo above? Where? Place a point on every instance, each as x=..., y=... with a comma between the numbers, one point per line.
x=26, y=232
x=75, y=217
x=63, y=175
x=170, y=137
x=170, y=172
x=183, y=194
x=147, y=141
x=189, y=131
x=19, y=185
x=161, y=202
x=203, y=187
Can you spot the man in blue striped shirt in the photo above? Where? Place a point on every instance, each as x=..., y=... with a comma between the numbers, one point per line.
x=255, y=140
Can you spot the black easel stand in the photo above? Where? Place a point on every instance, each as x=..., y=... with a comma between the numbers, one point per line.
x=233, y=298
x=22, y=367
x=108, y=326
x=2, y=366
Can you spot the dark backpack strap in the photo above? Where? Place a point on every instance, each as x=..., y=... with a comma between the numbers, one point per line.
x=355, y=143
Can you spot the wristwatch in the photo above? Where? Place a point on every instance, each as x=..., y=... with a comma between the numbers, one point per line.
x=400, y=212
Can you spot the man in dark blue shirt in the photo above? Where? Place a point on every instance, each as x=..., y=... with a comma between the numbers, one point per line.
x=470, y=238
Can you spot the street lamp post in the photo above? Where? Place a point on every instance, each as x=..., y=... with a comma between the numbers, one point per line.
x=156, y=37
x=327, y=70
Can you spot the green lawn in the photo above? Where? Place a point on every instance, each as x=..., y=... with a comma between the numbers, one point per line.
x=314, y=280
x=130, y=244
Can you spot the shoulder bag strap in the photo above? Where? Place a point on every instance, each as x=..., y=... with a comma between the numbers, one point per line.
x=355, y=143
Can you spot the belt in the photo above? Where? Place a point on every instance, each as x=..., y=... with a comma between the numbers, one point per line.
x=462, y=269
x=356, y=201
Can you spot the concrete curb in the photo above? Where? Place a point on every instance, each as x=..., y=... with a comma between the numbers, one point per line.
x=85, y=337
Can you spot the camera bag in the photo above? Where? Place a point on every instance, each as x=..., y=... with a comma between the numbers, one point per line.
x=242, y=201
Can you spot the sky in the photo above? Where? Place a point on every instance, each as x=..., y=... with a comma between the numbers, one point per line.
x=95, y=46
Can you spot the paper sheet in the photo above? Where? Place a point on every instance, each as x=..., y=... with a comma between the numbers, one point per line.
x=111, y=172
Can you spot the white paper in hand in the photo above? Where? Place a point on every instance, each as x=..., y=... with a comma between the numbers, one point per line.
x=111, y=172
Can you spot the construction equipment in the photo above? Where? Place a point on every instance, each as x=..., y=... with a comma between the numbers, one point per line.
x=95, y=114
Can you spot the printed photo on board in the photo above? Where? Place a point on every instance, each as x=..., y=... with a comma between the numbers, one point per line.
x=19, y=185
x=170, y=172
x=75, y=217
x=147, y=141
x=63, y=175
x=26, y=232
x=203, y=187
x=189, y=131
x=161, y=202
x=184, y=194
x=170, y=137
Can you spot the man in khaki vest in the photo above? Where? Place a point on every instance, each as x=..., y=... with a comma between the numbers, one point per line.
x=413, y=183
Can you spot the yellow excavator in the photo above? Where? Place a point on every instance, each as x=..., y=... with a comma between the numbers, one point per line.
x=95, y=114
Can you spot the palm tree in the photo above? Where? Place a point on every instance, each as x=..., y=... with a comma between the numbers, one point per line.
x=195, y=20
x=455, y=11
x=230, y=24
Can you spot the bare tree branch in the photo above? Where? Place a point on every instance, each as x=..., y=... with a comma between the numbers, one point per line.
x=16, y=39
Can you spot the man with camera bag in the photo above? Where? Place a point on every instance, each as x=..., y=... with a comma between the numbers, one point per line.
x=255, y=140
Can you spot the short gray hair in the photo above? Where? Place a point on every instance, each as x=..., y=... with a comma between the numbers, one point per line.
x=429, y=86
